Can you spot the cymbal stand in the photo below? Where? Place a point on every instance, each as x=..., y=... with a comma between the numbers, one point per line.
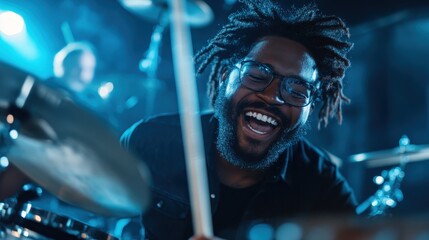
x=149, y=64
x=389, y=193
x=14, y=117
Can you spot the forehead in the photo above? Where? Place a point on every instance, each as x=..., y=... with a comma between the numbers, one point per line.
x=286, y=56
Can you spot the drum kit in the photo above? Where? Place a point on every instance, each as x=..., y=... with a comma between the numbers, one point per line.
x=69, y=151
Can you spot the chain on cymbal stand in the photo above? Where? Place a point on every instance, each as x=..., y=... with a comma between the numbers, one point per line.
x=389, y=193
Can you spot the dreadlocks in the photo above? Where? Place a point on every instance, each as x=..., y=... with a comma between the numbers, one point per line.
x=326, y=37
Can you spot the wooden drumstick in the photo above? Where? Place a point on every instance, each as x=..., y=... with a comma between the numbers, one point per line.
x=190, y=119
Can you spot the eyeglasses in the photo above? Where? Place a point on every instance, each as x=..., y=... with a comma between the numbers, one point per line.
x=293, y=89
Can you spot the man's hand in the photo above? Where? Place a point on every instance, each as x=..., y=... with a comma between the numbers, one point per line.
x=205, y=238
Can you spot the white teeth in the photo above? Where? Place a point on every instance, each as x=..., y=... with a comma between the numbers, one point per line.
x=256, y=131
x=262, y=117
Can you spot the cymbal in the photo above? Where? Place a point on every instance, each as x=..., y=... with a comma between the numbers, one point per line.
x=198, y=13
x=71, y=152
x=409, y=153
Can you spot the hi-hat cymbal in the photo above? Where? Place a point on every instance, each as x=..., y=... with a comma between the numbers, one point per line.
x=72, y=153
x=198, y=13
x=409, y=153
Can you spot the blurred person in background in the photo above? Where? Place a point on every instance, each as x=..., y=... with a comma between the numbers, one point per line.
x=74, y=69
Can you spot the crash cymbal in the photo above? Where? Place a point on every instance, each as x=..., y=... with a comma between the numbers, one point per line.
x=69, y=151
x=198, y=13
x=409, y=153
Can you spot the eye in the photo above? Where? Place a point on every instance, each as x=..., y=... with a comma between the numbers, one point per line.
x=255, y=73
x=297, y=94
x=297, y=88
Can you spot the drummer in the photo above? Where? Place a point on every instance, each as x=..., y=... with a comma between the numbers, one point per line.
x=74, y=68
x=269, y=69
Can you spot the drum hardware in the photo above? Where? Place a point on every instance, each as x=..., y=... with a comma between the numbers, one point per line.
x=149, y=64
x=17, y=232
x=389, y=193
x=5, y=212
x=40, y=224
x=387, y=196
x=21, y=219
x=197, y=14
x=67, y=149
x=29, y=192
x=393, y=156
x=57, y=226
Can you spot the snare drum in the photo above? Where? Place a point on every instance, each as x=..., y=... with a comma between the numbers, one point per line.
x=34, y=223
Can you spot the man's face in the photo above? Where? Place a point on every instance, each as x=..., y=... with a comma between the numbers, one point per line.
x=81, y=69
x=87, y=64
x=249, y=142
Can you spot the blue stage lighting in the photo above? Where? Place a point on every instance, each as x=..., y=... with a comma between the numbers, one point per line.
x=11, y=23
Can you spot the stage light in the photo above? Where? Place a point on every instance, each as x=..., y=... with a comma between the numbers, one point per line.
x=4, y=162
x=136, y=3
x=261, y=231
x=105, y=89
x=13, y=134
x=11, y=23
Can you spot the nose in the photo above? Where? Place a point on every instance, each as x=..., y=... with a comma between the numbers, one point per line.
x=271, y=94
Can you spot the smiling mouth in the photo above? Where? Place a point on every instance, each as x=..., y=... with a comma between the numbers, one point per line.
x=259, y=123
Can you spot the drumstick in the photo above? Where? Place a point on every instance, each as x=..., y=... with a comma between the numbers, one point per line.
x=67, y=33
x=190, y=119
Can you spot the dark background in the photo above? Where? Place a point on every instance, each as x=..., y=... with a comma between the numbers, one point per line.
x=387, y=83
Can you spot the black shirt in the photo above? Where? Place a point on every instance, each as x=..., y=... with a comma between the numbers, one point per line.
x=231, y=207
x=304, y=181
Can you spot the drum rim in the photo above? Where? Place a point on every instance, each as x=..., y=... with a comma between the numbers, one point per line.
x=69, y=225
x=20, y=232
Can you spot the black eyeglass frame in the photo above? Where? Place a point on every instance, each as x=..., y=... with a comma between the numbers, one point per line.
x=314, y=87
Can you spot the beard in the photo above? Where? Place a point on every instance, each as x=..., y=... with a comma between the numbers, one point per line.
x=227, y=142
